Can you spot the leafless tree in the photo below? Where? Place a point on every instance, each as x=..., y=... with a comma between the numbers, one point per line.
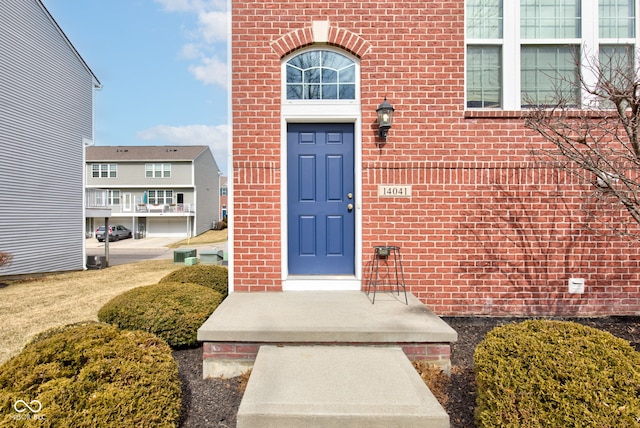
x=593, y=125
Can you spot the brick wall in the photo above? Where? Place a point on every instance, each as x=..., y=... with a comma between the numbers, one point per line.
x=486, y=231
x=231, y=353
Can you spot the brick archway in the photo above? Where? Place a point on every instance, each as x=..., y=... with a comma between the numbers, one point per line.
x=321, y=32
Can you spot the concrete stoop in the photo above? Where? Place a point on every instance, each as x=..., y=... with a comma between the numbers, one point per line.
x=246, y=322
x=329, y=386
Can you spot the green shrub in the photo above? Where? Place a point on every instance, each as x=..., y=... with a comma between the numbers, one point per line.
x=173, y=311
x=92, y=375
x=212, y=276
x=544, y=373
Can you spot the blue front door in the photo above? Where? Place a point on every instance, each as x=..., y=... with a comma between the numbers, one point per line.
x=321, y=214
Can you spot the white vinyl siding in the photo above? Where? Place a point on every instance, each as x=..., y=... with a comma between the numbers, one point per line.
x=207, y=182
x=45, y=113
x=132, y=174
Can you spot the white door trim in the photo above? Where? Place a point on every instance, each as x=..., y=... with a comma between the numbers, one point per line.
x=322, y=112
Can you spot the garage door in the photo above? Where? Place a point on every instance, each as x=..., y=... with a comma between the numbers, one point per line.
x=167, y=227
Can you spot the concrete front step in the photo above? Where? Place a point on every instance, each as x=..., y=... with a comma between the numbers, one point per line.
x=244, y=322
x=330, y=386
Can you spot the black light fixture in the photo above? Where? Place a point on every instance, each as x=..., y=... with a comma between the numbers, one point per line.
x=385, y=117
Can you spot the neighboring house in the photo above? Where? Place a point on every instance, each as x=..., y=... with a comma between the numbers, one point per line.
x=46, y=118
x=156, y=191
x=224, y=198
x=482, y=228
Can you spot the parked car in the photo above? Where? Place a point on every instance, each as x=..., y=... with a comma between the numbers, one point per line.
x=115, y=232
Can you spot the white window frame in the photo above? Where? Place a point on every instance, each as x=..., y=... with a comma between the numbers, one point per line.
x=511, y=43
x=114, y=197
x=320, y=49
x=104, y=170
x=159, y=196
x=318, y=104
x=157, y=170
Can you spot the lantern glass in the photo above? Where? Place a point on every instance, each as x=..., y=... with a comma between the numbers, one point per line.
x=385, y=114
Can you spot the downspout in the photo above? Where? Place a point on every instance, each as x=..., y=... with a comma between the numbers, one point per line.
x=230, y=172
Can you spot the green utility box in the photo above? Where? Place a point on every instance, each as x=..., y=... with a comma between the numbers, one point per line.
x=211, y=257
x=179, y=256
x=190, y=261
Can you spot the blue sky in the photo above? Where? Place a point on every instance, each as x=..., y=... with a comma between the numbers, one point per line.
x=162, y=66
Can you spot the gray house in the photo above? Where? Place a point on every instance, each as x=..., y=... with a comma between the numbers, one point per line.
x=46, y=117
x=156, y=191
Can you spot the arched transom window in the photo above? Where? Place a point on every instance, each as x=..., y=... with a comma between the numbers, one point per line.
x=321, y=75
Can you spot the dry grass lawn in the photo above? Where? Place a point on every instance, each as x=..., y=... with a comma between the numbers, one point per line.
x=31, y=306
x=208, y=237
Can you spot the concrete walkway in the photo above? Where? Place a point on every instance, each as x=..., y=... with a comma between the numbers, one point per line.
x=337, y=386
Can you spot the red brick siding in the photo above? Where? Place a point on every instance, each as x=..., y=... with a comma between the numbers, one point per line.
x=439, y=353
x=258, y=211
x=485, y=231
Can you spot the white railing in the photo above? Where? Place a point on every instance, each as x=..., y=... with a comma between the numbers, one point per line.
x=98, y=198
x=165, y=208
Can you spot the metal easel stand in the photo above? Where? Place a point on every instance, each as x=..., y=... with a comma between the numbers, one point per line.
x=387, y=253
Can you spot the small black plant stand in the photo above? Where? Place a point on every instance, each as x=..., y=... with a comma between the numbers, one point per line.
x=386, y=253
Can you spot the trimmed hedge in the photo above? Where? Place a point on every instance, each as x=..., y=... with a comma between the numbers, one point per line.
x=173, y=311
x=92, y=375
x=211, y=276
x=543, y=373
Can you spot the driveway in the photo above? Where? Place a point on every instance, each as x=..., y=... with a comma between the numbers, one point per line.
x=92, y=243
x=136, y=250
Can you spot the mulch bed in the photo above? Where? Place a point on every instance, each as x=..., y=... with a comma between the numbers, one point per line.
x=215, y=402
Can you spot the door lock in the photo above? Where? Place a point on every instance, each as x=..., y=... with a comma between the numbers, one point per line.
x=350, y=195
x=350, y=207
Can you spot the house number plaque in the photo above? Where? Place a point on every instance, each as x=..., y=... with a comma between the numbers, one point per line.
x=394, y=191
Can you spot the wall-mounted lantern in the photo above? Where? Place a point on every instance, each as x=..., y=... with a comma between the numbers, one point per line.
x=385, y=117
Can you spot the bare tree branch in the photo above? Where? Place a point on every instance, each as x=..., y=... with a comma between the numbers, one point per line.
x=600, y=143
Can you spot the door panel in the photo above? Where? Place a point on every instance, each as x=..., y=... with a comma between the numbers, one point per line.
x=307, y=179
x=127, y=202
x=335, y=232
x=321, y=226
x=335, y=190
x=307, y=229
